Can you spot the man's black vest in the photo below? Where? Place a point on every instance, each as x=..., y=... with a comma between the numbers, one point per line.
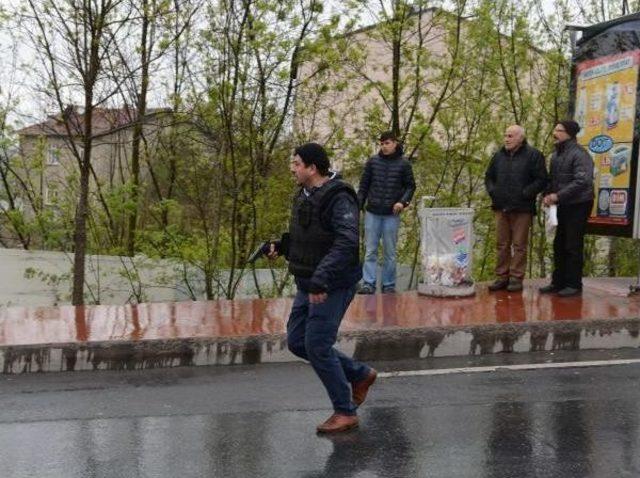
x=311, y=239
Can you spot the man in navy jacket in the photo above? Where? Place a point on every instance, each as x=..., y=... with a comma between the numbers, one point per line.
x=386, y=188
x=322, y=248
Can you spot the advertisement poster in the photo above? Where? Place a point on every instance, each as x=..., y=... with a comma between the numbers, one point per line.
x=605, y=109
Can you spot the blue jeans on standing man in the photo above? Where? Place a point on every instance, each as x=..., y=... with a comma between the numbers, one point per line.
x=375, y=227
x=312, y=331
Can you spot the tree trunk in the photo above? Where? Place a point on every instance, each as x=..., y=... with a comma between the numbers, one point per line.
x=612, y=256
x=137, y=132
x=80, y=229
x=395, y=111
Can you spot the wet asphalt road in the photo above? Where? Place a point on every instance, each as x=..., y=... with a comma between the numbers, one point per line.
x=259, y=422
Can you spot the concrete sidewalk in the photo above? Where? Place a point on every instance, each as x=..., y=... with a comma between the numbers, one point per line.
x=380, y=327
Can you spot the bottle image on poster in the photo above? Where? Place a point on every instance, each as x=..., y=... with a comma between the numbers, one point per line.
x=613, y=105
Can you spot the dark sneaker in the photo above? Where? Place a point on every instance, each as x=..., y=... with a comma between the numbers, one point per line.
x=569, y=292
x=389, y=289
x=498, y=284
x=515, y=285
x=367, y=289
x=548, y=289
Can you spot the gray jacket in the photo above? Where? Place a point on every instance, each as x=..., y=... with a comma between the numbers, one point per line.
x=571, y=173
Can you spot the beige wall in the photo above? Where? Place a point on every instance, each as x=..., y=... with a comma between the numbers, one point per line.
x=323, y=109
x=110, y=159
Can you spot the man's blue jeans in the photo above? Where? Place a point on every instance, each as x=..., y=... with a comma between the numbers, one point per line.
x=311, y=333
x=376, y=227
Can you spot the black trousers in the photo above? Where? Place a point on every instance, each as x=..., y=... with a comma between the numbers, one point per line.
x=568, y=245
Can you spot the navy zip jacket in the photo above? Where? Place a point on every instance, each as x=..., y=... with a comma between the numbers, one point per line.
x=386, y=180
x=339, y=268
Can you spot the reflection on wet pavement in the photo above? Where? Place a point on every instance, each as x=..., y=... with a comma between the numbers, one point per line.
x=572, y=439
x=243, y=318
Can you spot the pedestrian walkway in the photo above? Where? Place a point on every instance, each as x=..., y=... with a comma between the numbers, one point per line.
x=376, y=327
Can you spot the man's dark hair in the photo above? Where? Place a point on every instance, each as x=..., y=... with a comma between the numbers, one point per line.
x=571, y=127
x=313, y=153
x=388, y=135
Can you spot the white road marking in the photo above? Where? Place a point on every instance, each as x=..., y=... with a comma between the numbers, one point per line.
x=497, y=368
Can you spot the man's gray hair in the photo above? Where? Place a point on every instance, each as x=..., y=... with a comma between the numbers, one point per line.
x=519, y=129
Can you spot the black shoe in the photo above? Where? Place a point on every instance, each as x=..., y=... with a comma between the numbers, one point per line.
x=515, y=285
x=367, y=289
x=389, y=290
x=569, y=292
x=498, y=284
x=548, y=289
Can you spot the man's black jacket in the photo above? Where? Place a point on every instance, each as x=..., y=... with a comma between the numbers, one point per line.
x=514, y=179
x=571, y=173
x=340, y=267
x=386, y=180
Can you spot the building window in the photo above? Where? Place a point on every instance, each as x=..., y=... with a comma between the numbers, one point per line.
x=50, y=195
x=53, y=156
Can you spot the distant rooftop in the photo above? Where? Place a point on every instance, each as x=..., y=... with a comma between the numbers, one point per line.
x=104, y=121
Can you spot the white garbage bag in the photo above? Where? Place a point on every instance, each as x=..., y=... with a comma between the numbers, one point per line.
x=447, y=244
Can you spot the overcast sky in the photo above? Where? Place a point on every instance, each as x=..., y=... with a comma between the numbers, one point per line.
x=32, y=107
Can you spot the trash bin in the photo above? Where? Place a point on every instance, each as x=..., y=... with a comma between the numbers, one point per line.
x=447, y=250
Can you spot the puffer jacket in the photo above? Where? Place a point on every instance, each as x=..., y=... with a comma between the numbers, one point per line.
x=571, y=173
x=514, y=179
x=386, y=180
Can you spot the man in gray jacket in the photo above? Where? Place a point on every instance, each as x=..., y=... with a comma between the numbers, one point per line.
x=571, y=188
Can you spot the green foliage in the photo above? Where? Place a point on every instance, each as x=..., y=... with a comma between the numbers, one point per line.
x=215, y=179
x=451, y=87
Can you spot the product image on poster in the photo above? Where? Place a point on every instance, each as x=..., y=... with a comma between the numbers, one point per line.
x=605, y=110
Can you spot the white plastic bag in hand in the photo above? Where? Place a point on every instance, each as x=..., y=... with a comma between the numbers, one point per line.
x=552, y=218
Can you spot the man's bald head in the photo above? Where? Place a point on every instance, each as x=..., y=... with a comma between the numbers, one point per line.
x=513, y=137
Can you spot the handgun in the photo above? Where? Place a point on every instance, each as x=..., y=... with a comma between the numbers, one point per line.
x=262, y=249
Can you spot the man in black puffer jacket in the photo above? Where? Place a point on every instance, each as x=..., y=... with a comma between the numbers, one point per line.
x=386, y=188
x=571, y=188
x=514, y=178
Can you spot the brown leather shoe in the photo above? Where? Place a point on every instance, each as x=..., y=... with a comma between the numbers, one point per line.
x=359, y=389
x=337, y=423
